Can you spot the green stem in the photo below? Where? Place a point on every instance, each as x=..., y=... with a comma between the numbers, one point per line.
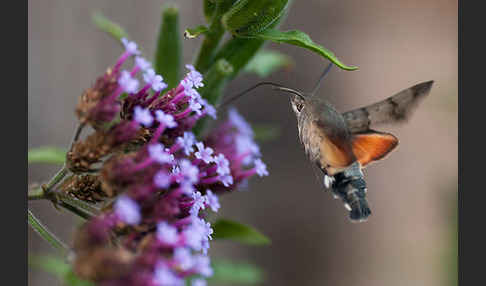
x=239, y=51
x=36, y=194
x=212, y=37
x=77, y=133
x=46, y=234
x=56, y=179
x=215, y=79
x=214, y=82
x=209, y=44
x=78, y=207
x=64, y=170
x=78, y=204
x=82, y=214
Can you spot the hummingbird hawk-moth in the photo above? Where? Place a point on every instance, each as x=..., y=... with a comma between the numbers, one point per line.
x=342, y=144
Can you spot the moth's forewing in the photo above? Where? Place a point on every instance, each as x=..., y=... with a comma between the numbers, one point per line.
x=395, y=109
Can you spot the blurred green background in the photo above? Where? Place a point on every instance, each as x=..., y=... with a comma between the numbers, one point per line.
x=411, y=238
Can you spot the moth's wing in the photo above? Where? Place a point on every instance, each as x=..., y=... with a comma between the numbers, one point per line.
x=372, y=145
x=395, y=109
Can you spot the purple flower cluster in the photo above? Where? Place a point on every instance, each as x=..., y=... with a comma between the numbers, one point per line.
x=239, y=156
x=167, y=180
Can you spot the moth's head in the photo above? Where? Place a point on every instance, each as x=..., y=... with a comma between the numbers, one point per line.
x=298, y=103
x=300, y=100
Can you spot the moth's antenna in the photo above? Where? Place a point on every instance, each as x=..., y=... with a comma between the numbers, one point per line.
x=274, y=85
x=318, y=84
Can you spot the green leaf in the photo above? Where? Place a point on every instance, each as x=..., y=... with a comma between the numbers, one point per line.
x=266, y=62
x=226, y=229
x=45, y=234
x=301, y=39
x=230, y=273
x=266, y=132
x=192, y=33
x=106, y=25
x=168, y=52
x=50, y=155
x=59, y=268
x=238, y=51
x=250, y=17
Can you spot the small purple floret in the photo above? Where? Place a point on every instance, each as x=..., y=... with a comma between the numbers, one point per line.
x=199, y=203
x=189, y=171
x=166, y=233
x=204, y=153
x=193, y=94
x=227, y=180
x=162, y=179
x=127, y=82
x=190, y=67
x=164, y=276
x=223, y=165
x=202, y=265
x=157, y=153
x=142, y=63
x=196, y=79
x=239, y=122
x=183, y=258
x=197, y=234
x=156, y=81
x=187, y=188
x=166, y=119
x=127, y=210
x=186, y=142
x=193, y=237
x=245, y=144
x=130, y=47
x=195, y=106
x=143, y=116
x=208, y=108
x=212, y=201
x=260, y=168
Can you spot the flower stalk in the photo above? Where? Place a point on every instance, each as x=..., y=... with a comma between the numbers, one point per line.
x=212, y=37
x=55, y=180
x=36, y=194
x=78, y=205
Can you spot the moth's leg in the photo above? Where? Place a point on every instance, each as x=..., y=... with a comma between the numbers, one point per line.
x=327, y=180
